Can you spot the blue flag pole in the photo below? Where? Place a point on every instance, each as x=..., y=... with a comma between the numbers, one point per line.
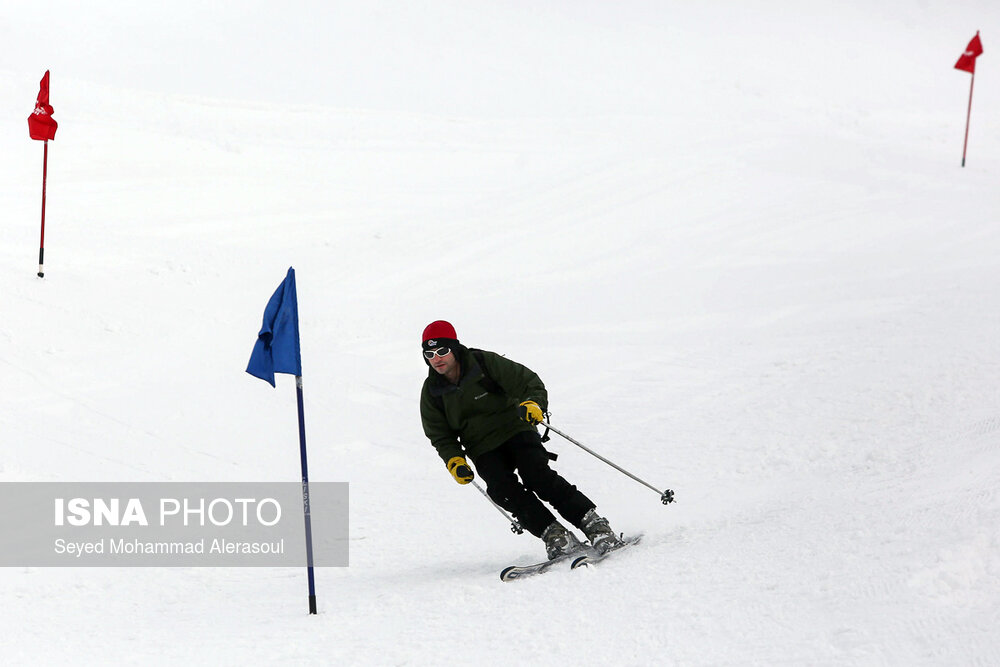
x=277, y=351
x=305, y=495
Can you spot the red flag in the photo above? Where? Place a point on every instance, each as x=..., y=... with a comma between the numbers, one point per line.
x=41, y=125
x=967, y=63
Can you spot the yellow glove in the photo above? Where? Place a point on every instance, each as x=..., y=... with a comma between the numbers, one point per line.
x=460, y=470
x=530, y=412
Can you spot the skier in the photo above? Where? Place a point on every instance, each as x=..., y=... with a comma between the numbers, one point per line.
x=478, y=404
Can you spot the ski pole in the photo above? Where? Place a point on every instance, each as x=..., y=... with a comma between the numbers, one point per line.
x=515, y=527
x=666, y=497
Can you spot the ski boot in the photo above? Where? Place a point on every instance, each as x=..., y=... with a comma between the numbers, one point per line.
x=597, y=530
x=559, y=541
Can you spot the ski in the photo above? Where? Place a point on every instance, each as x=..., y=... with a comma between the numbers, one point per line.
x=593, y=558
x=521, y=571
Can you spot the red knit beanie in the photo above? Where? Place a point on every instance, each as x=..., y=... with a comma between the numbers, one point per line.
x=436, y=332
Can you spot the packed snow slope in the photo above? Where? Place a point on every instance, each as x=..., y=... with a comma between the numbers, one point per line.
x=734, y=240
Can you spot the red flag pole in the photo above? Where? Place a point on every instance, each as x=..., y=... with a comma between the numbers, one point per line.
x=968, y=115
x=41, y=243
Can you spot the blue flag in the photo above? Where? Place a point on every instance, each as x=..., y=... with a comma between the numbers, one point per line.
x=277, y=347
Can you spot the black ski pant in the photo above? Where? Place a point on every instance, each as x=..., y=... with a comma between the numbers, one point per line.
x=525, y=454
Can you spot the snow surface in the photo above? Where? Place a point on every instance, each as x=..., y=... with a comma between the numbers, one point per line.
x=734, y=239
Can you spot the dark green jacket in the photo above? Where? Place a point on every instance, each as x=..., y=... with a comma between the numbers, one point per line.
x=474, y=420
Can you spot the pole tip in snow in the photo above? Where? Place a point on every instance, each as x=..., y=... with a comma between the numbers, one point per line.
x=667, y=497
x=312, y=604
